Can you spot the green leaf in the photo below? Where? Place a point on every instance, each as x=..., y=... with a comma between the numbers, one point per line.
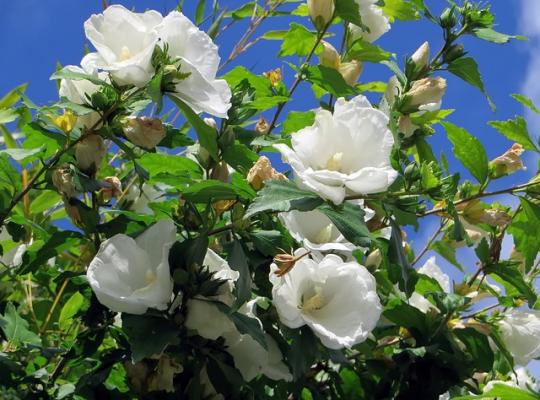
x=240, y=157
x=265, y=103
x=160, y=163
x=406, y=276
x=268, y=242
x=329, y=79
x=238, y=261
x=511, y=274
x=526, y=102
x=496, y=37
x=478, y=348
x=21, y=154
x=467, y=69
x=13, y=96
x=261, y=84
x=75, y=303
x=274, y=35
x=349, y=10
x=9, y=177
x=245, y=325
x=468, y=150
x=16, y=328
x=502, y=392
x=298, y=41
x=297, y=120
x=515, y=130
x=199, y=12
x=78, y=76
x=282, y=196
x=349, y=219
x=38, y=137
x=7, y=115
x=400, y=9
x=210, y=190
x=405, y=315
x=365, y=51
x=207, y=135
x=155, y=92
x=525, y=228
x=140, y=328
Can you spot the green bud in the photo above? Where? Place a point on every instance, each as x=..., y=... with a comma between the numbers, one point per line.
x=448, y=18
x=453, y=53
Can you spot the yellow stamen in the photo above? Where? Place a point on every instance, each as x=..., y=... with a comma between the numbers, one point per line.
x=324, y=235
x=125, y=54
x=334, y=163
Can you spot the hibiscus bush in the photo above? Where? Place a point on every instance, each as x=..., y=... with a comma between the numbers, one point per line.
x=154, y=246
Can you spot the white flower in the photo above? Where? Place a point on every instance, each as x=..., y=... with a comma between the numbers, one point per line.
x=347, y=152
x=150, y=194
x=131, y=275
x=431, y=269
x=522, y=380
x=336, y=299
x=13, y=258
x=198, y=56
x=78, y=91
x=125, y=42
x=316, y=232
x=203, y=316
x=373, y=18
x=521, y=333
x=208, y=390
x=250, y=358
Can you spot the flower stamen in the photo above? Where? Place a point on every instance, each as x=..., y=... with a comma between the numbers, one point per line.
x=334, y=163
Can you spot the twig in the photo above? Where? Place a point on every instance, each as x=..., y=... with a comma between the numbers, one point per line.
x=430, y=241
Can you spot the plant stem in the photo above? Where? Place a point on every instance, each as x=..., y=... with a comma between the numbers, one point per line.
x=430, y=242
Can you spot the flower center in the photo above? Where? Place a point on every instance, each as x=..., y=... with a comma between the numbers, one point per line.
x=334, y=163
x=313, y=303
x=149, y=277
x=125, y=54
x=324, y=235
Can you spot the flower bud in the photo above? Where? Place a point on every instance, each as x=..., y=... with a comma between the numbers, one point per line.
x=421, y=56
x=262, y=171
x=329, y=57
x=112, y=187
x=507, y=163
x=220, y=172
x=144, y=132
x=495, y=218
x=89, y=152
x=62, y=179
x=321, y=12
x=274, y=76
x=350, y=71
x=406, y=126
x=426, y=91
x=374, y=259
x=453, y=53
x=211, y=122
x=221, y=206
x=448, y=18
x=262, y=126
x=73, y=212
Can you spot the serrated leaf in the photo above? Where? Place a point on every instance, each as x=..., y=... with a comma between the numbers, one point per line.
x=526, y=102
x=238, y=261
x=78, y=76
x=297, y=41
x=297, y=120
x=329, y=79
x=525, y=229
x=496, y=37
x=515, y=130
x=468, y=150
x=365, y=51
x=349, y=10
x=400, y=9
x=467, y=69
x=349, y=219
x=501, y=392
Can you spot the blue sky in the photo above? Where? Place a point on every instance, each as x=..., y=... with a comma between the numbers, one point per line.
x=36, y=34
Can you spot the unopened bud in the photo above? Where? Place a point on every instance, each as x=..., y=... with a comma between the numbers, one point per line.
x=223, y=205
x=203, y=157
x=112, y=187
x=453, y=53
x=72, y=210
x=350, y=71
x=329, y=57
x=62, y=179
x=170, y=70
x=426, y=91
x=374, y=259
x=508, y=163
x=211, y=122
x=421, y=56
x=261, y=172
x=274, y=76
x=321, y=12
x=262, y=126
x=144, y=132
x=89, y=152
x=448, y=18
x=406, y=126
x=220, y=172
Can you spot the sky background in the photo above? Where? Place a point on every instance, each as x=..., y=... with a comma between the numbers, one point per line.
x=36, y=34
